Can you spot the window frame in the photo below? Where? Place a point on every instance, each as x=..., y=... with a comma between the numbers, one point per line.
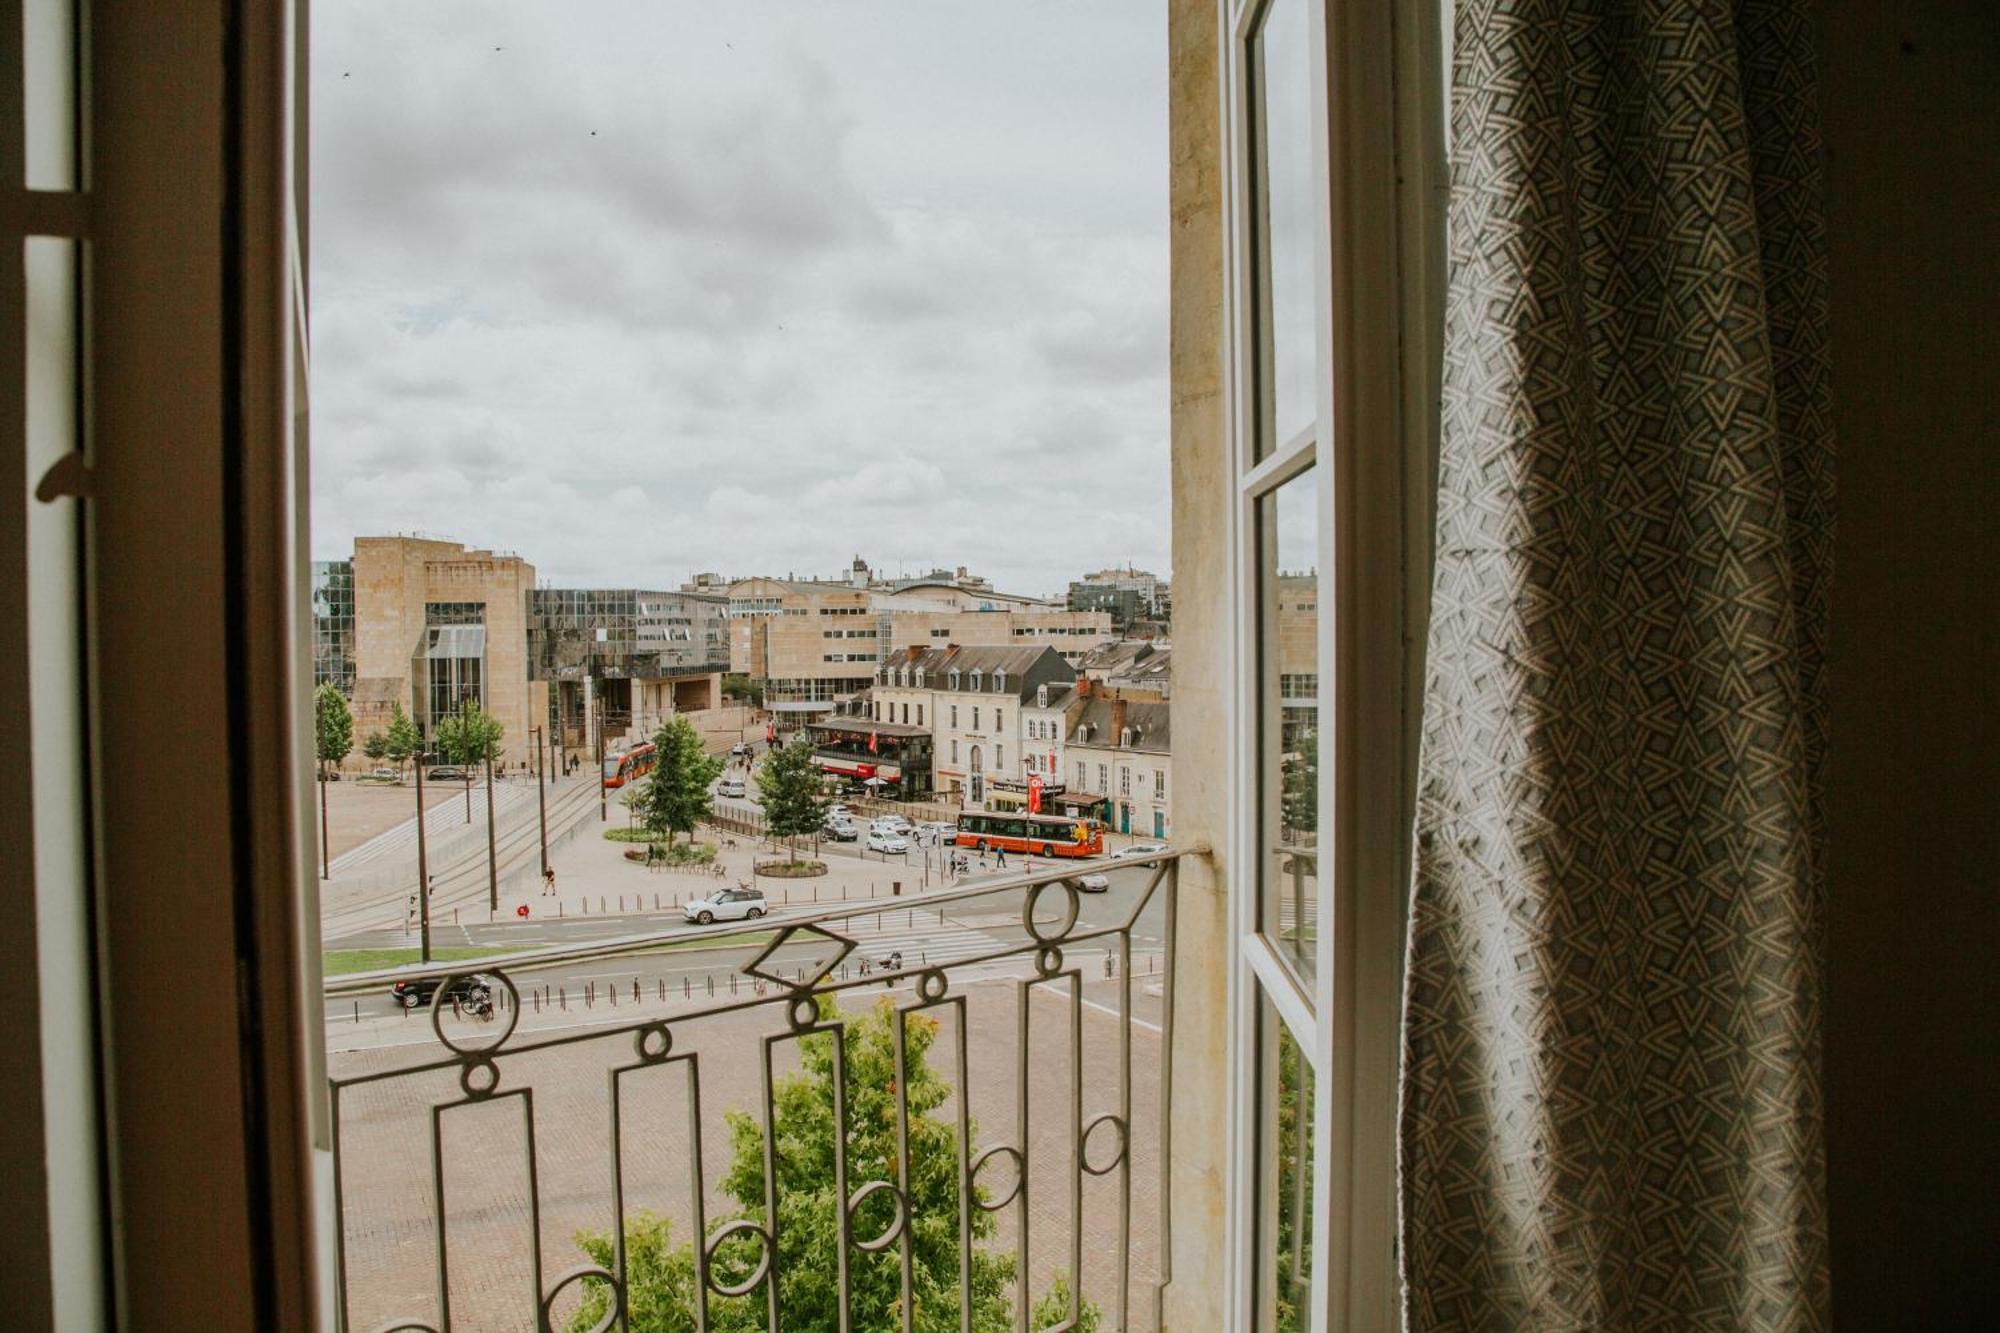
x=1377, y=91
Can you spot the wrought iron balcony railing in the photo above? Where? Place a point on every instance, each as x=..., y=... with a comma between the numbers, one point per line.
x=587, y=1101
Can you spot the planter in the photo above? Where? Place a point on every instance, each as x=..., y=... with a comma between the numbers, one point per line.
x=791, y=869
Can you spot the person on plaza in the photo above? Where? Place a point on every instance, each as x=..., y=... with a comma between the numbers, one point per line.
x=549, y=881
x=1000, y=857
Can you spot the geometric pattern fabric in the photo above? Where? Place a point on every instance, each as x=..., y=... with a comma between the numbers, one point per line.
x=1611, y=1105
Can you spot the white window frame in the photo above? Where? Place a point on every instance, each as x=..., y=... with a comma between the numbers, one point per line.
x=1379, y=155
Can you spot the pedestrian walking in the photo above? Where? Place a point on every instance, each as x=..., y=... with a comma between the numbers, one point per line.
x=1000, y=857
x=549, y=882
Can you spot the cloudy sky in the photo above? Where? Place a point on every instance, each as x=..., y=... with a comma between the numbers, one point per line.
x=642, y=289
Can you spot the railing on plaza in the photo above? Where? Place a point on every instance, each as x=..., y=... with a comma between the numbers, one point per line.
x=1050, y=954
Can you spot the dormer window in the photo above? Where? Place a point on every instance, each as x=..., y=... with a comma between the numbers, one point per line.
x=975, y=680
x=1124, y=737
x=954, y=678
x=999, y=681
x=1041, y=696
x=920, y=678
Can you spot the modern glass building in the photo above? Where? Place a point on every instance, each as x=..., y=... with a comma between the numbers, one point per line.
x=333, y=624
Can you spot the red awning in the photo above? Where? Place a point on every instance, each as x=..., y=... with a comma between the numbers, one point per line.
x=859, y=770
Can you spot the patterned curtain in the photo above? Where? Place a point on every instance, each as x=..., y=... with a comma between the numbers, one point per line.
x=1611, y=1088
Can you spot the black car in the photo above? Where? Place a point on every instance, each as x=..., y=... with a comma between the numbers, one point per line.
x=422, y=990
x=840, y=833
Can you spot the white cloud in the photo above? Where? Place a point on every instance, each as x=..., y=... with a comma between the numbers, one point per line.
x=657, y=287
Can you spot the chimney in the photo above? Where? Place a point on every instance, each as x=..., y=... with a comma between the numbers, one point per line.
x=1084, y=686
x=914, y=651
x=1117, y=717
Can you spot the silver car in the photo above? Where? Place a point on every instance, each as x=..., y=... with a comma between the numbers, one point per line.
x=727, y=905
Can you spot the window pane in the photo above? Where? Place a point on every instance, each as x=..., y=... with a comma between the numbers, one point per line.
x=1288, y=745
x=1282, y=236
x=1284, y=1177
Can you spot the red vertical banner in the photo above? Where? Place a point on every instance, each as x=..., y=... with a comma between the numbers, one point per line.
x=1034, y=796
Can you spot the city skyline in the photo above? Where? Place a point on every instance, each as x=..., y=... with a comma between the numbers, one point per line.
x=643, y=294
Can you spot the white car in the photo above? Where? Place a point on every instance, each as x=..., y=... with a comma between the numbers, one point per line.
x=1139, y=851
x=1094, y=882
x=887, y=843
x=835, y=810
x=895, y=824
x=727, y=905
x=731, y=787
x=940, y=830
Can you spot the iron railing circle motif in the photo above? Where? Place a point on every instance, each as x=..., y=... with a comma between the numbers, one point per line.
x=1072, y=902
x=748, y=1284
x=802, y=1011
x=579, y=1274
x=441, y=996
x=479, y=1076
x=652, y=1042
x=1048, y=960
x=1083, y=1144
x=1020, y=1175
x=932, y=985
x=895, y=1227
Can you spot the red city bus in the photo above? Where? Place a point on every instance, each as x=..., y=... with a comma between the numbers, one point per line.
x=636, y=762
x=1030, y=835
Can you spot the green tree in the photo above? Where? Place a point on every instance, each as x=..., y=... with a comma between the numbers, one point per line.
x=662, y=1274
x=1294, y=1213
x=677, y=797
x=376, y=747
x=467, y=738
x=404, y=742
x=742, y=689
x=1299, y=798
x=790, y=786
x=333, y=726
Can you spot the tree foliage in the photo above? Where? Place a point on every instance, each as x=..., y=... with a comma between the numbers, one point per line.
x=376, y=747
x=789, y=785
x=403, y=740
x=469, y=737
x=333, y=725
x=1299, y=798
x=1294, y=1213
x=661, y=1279
x=677, y=797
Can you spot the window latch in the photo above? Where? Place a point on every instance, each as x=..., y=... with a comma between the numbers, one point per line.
x=70, y=476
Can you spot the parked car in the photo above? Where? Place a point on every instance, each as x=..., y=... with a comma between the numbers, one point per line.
x=1139, y=851
x=731, y=787
x=835, y=810
x=422, y=990
x=938, y=830
x=894, y=824
x=887, y=843
x=841, y=830
x=727, y=905
x=382, y=775
x=446, y=773
x=1094, y=882
x=738, y=750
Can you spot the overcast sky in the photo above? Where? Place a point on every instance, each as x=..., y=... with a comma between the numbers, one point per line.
x=643, y=289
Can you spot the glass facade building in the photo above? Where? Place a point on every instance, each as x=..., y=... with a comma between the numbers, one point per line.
x=333, y=624
x=615, y=633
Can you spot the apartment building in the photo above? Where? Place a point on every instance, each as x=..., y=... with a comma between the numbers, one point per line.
x=814, y=642
x=1134, y=599
x=974, y=697
x=1120, y=752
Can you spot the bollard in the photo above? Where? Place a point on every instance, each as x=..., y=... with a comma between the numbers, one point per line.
x=454, y=916
x=1107, y=964
x=732, y=983
x=656, y=902
x=635, y=990
x=600, y=902
x=686, y=989
x=357, y=1011
x=563, y=992
x=711, y=986
x=621, y=902
x=558, y=907
x=538, y=999
x=612, y=992
x=661, y=982
x=911, y=924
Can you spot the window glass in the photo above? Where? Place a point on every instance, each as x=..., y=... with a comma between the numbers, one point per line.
x=1280, y=67
x=1288, y=743
x=1284, y=1176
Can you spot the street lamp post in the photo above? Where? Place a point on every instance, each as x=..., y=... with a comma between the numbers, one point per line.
x=492, y=855
x=423, y=857
x=603, y=802
x=542, y=803
x=325, y=860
